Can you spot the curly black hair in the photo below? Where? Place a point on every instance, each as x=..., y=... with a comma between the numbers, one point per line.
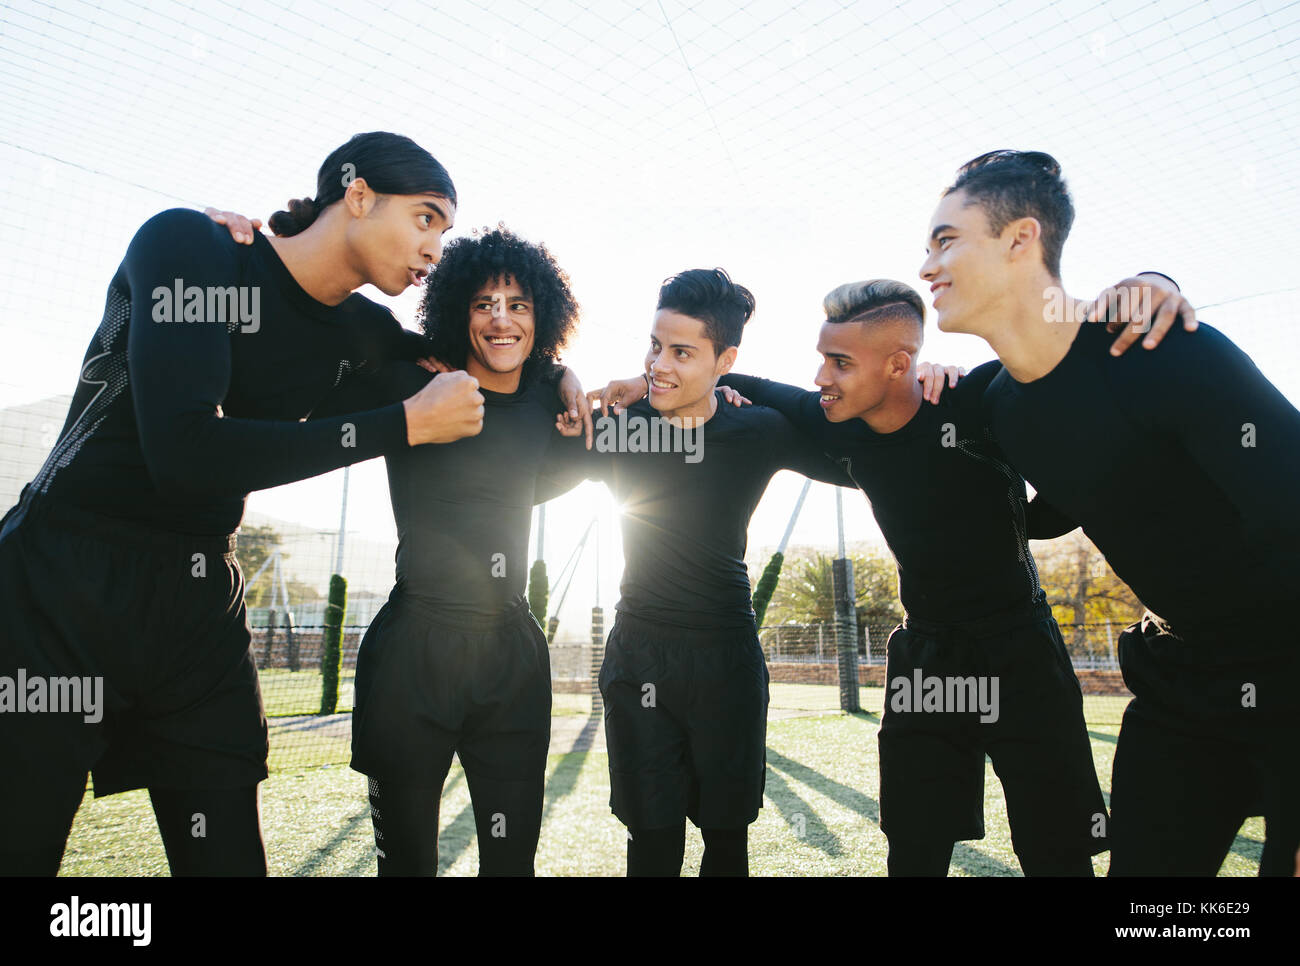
x=467, y=265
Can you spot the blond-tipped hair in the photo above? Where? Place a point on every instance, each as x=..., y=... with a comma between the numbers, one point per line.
x=875, y=300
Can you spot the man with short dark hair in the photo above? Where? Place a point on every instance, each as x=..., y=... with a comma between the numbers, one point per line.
x=684, y=680
x=1212, y=732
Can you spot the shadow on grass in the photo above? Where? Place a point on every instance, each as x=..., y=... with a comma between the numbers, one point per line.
x=565, y=776
x=314, y=863
x=342, y=835
x=963, y=856
x=800, y=816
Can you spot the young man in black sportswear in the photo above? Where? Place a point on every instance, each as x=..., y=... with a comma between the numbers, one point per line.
x=684, y=681
x=1212, y=733
x=454, y=662
x=977, y=620
x=117, y=569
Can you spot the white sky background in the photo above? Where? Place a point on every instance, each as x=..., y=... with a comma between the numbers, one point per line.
x=797, y=148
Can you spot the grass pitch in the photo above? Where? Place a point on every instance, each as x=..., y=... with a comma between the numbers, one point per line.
x=820, y=814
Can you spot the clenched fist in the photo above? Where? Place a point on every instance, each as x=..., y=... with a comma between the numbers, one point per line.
x=449, y=408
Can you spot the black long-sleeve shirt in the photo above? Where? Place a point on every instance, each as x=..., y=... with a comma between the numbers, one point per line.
x=464, y=509
x=951, y=509
x=1182, y=465
x=186, y=405
x=686, y=524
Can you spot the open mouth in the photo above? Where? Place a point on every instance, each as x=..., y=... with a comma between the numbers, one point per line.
x=829, y=399
x=661, y=385
x=417, y=275
x=502, y=341
x=938, y=288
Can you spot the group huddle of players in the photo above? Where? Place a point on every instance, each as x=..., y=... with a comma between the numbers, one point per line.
x=1179, y=463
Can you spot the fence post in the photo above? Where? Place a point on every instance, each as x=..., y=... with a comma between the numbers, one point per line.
x=846, y=633
x=290, y=641
x=597, y=658
x=270, y=635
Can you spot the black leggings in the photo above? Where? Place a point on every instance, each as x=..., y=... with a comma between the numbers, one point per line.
x=507, y=815
x=659, y=851
x=216, y=832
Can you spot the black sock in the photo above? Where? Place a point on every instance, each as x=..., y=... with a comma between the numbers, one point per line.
x=209, y=831
x=656, y=851
x=726, y=852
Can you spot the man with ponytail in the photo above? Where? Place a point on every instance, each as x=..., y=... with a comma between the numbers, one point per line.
x=218, y=369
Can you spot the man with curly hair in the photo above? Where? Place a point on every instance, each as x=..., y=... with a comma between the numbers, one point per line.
x=455, y=663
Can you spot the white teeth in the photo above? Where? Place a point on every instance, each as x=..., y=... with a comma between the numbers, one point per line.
x=826, y=398
x=663, y=385
x=504, y=340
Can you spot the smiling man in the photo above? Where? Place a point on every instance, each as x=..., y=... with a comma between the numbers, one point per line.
x=454, y=662
x=684, y=680
x=1211, y=734
x=954, y=515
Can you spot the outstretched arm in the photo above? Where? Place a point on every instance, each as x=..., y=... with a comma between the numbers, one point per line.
x=179, y=373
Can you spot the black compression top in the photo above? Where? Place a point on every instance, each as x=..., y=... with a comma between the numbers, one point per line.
x=1182, y=465
x=463, y=509
x=685, y=524
x=951, y=509
x=186, y=404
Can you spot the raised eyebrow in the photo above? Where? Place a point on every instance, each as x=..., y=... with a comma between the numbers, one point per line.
x=435, y=208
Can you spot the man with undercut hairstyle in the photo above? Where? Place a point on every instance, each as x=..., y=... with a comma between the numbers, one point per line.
x=1212, y=732
x=977, y=621
x=684, y=681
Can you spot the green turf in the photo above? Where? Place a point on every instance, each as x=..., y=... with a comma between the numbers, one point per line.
x=820, y=815
x=286, y=692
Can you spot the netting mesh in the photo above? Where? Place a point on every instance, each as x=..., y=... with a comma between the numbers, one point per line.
x=797, y=146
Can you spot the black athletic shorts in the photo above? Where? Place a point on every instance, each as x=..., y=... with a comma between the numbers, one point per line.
x=685, y=723
x=1207, y=741
x=430, y=684
x=151, y=620
x=932, y=751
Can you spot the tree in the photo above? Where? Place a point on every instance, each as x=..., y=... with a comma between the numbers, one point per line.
x=805, y=594
x=539, y=591
x=255, y=545
x=1082, y=588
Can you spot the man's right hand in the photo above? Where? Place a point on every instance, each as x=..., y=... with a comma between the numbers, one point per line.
x=241, y=228
x=449, y=408
x=618, y=395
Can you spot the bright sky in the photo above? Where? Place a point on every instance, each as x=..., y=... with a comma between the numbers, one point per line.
x=797, y=148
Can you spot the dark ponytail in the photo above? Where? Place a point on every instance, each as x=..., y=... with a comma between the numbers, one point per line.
x=390, y=163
